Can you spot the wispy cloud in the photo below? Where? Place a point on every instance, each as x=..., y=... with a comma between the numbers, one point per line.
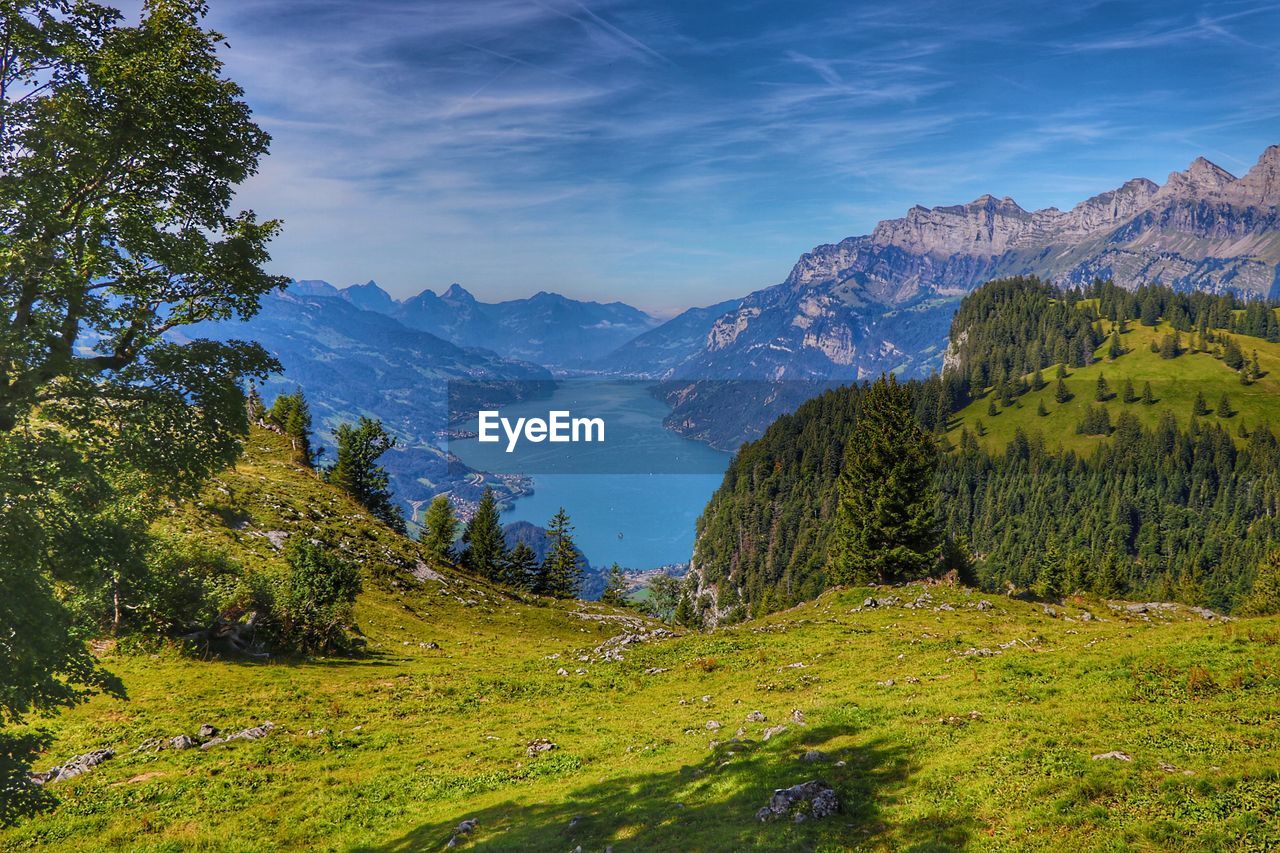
x=661, y=151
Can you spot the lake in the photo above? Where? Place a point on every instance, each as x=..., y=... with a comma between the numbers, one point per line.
x=634, y=498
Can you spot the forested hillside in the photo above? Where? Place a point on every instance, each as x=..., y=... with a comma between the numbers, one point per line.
x=1058, y=475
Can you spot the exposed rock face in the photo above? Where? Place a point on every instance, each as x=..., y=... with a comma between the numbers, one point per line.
x=75, y=767
x=883, y=301
x=813, y=799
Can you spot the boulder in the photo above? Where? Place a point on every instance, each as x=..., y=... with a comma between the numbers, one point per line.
x=539, y=745
x=756, y=717
x=1113, y=755
x=813, y=799
x=75, y=767
x=183, y=742
x=253, y=733
x=207, y=731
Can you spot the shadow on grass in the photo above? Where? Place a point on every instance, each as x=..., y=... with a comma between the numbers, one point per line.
x=712, y=805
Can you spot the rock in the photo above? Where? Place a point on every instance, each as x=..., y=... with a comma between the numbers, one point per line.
x=942, y=607
x=539, y=745
x=75, y=767
x=984, y=605
x=774, y=730
x=713, y=725
x=1086, y=616
x=207, y=731
x=706, y=698
x=1051, y=612
x=814, y=755
x=151, y=744
x=797, y=716
x=888, y=682
x=562, y=671
x=247, y=734
x=464, y=828
x=756, y=717
x=813, y=799
x=981, y=653
x=655, y=670
x=431, y=646
x=794, y=666
x=181, y=742
x=1115, y=754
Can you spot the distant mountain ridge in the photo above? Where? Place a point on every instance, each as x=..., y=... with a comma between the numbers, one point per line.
x=883, y=301
x=546, y=328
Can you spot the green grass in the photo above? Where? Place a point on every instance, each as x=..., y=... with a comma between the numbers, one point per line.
x=1174, y=382
x=416, y=739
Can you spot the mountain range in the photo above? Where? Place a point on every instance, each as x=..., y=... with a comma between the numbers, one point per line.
x=883, y=301
x=546, y=328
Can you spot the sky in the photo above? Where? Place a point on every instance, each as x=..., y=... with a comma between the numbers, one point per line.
x=672, y=154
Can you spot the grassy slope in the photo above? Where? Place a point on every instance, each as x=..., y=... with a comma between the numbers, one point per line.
x=1173, y=381
x=418, y=739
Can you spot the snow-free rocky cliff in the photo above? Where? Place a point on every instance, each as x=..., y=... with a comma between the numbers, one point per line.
x=883, y=301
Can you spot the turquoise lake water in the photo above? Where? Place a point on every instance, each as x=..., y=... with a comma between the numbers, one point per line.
x=641, y=508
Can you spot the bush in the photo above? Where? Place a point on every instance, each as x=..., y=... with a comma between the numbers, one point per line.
x=313, y=609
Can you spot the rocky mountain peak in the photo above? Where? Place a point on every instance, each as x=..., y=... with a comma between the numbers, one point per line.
x=1261, y=184
x=1199, y=180
x=458, y=293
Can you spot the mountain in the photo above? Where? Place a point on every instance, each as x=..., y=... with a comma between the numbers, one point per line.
x=546, y=328
x=1146, y=494
x=659, y=352
x=352, y=362
x=883, y=301
x=369, y=297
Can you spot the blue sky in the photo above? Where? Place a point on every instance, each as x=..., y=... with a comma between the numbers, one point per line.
x=678, y=153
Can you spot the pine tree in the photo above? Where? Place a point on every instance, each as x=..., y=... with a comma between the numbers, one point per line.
x=1224, y=407
x=1169, y=346
x=992, y=411
x=615, y=588
x=441, y=529
x=1061, y=372
x=358, y=473
x=1061, y=394
x=1050, y=579
x=561, y=572
x=684, y=614
x=1128, y=394
x=486, y=550
x=1037, y=380
x=1199, y=407
x=1040, y=409
x=1232, y=356
x=1150, y=310
x=885, y=526
x=520, y=567
x=1102, y=391
x=1148, y=398
x=1116, y=349
x=291, y=414
x=253, y=406
x=1264, y=595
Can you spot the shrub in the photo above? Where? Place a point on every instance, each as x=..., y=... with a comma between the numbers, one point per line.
x=314, y=607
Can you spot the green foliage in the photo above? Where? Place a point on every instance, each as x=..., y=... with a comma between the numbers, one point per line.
x=314, y=608
x=615, y=587
x=357, y=472
x=291, y=414
x=520, y=567
x=885, y=524
x=561, y=572
x=1199, y=407
x=441, y=529
x=1264, y=592
x=486, y=550
x=664, y=597
x=121, y=145
x=1060, y=393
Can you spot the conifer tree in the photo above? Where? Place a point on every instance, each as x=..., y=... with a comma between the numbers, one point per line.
x=1102, y=391
x=291, y=414
x=1150, y=310
x=520, y=567
x=357, y=472
x=254, y=408
x=1148, y=398
x=1199, y=407
x=1062, y=371
x=1037, y=380
x=1128, y=395
x=1040, y=408
x=1264, y=595
x=615, y=587
x=992, y=411
x=1116, y=348
x=685, y=614
x=1224, y=407
x=561, y=572
x=885, y=526
x=441, y=529
x=485, y=550
x=1061, y=394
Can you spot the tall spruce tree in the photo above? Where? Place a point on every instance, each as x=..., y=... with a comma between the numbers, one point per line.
x=615, y=587
x=520, y=567
x=561, y=573
x=485, y=548
x=441, y=529
x=886, y=527
x=357, y=472
x=291, y=414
